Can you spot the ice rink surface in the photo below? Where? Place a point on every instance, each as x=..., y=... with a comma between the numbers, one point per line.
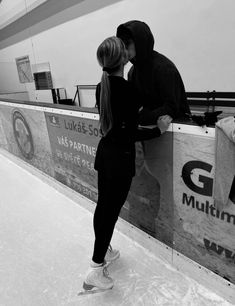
x=46, y=242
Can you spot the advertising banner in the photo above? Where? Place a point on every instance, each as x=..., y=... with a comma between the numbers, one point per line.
x=150, y=201
x=74, y=142
x=23, y=132
x=3, y=139
x=171, y=194
x=201, y=232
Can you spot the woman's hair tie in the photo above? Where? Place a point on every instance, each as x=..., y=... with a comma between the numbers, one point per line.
x=111, y=70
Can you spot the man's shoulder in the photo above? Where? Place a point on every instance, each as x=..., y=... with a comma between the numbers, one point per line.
x=162, y=62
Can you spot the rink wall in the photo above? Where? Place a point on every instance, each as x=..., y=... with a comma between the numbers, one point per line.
x=171, y=194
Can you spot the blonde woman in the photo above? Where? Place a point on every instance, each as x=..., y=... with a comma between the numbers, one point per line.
x=115, y=159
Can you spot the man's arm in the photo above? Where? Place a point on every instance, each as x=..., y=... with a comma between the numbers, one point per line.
x=169, y=89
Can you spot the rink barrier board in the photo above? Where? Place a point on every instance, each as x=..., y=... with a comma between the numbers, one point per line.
x=42, y=156
x=163, y=253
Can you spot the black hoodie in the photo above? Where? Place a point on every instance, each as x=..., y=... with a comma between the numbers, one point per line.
x=154, y=76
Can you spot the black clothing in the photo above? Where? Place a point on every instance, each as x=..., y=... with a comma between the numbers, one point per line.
x=112, y=195
x=116, y=151
x=115, y=161
x=154, y=76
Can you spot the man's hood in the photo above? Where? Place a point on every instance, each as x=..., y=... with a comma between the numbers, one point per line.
x=142, y=37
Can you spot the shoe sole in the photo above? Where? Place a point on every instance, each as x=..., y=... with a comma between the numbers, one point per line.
x=90, y=288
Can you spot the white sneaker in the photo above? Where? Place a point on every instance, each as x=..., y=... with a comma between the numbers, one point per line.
x=111, y=255
x=98, y=277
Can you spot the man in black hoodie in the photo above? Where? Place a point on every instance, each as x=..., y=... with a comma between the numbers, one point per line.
x=153, y=75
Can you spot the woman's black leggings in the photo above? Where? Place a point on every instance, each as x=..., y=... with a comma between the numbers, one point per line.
x=112, y=194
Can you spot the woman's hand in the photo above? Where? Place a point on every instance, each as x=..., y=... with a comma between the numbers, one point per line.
x=163, y=123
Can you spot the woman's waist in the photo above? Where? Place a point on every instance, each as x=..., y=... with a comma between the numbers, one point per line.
x=118, y=142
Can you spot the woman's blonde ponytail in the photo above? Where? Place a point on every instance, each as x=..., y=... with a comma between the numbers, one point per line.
x=110, y=55
x=106, y=118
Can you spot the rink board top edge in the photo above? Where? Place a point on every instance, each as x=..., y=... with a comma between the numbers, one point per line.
x=91, y=113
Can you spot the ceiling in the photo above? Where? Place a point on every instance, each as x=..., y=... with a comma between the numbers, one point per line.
x=13, y=10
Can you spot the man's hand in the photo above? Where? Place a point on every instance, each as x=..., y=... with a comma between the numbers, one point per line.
x=163, y=123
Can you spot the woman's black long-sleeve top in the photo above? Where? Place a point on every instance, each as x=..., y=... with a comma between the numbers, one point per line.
x=116, y=151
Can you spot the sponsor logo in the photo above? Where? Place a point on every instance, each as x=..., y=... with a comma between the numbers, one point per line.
x=232, y=192
x=23, y=135
x=207, y=208
x=54, y=121
x=205, y=185
x=219, y=250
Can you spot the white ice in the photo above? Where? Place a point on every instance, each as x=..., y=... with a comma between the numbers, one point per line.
x=46, y=242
